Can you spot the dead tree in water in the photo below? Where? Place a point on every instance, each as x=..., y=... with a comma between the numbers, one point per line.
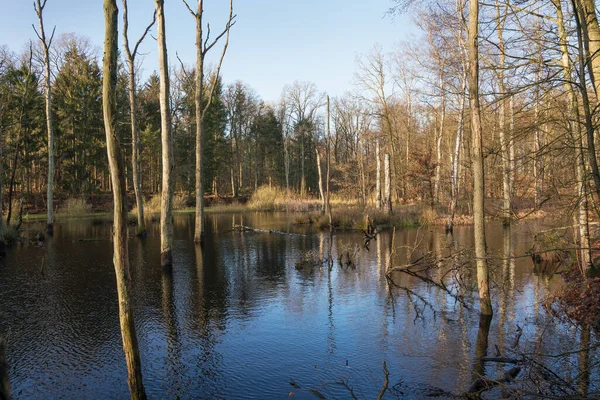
x=168, y=162
x=117, y=175
x=202, y=48
x=136, y=157
x=46, y=43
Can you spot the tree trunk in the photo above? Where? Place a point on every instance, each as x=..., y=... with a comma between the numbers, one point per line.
x=505, y=153
x=378, y=177
x=116, y=165
x=455, y=159
x=136, y=158
x=439, y=138
x=39, y=8
x=320, y=181
x=387, y=198
x=4, y=383
x=576, y=137
x=166, y=200
x=477, y=157
x=328, y=173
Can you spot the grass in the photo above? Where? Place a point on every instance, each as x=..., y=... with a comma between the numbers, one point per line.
x=9, y=234
x=74, y=207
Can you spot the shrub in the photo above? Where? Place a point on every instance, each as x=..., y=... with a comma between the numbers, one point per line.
x=9, y=234
x=264, y=198
x=152, y=206
x=74, y=207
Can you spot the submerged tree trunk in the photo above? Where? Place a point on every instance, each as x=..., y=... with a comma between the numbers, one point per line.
x=455, y=158
x=117, y=171
x=136, y=157
x=477, y=157
x=46, y=43
x=577, y=139
x=321, y=194
x=201, y=108
x=166, y=200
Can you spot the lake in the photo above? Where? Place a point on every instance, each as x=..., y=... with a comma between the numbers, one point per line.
x=237, y=320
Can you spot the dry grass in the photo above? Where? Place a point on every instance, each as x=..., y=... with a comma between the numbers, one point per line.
x=152, y=206
x=74, y=207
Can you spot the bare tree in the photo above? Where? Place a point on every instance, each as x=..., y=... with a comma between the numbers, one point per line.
x=117, y=174
x=168, y=162
x=202, y=48
x=477, y=161
x=135, y=135
x=46, y=43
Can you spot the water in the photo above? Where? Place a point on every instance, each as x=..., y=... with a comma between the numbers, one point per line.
x=237, y=320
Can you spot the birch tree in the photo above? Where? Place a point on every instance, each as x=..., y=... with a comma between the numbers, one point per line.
x=117, y=174
x=203, y=46
x=46, y=43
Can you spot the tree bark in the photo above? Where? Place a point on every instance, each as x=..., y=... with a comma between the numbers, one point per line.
x=116, y=165
x=387, y=198
x=577, y=138
x=378, y=177
x=39, y=9
x=477, y=157
x=136, y=157
x=320, y=181
x=504, y=147
x=328, y=173
x=166, y=200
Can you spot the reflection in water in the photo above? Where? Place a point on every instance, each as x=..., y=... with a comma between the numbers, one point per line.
x=236, y=319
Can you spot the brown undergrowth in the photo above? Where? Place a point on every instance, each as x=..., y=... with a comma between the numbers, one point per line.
x=578, y=299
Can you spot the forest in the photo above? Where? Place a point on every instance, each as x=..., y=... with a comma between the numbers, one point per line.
x=491, y=115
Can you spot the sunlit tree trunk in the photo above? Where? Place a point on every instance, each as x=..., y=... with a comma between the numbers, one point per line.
x=328, y=173
x=455, y=158
x=320, y=174
x=477, y=163
x=201, y=107
x=387, y=197
x=168, y=164
x=505, y=153
x=589, y=34
x=440, y=137
x=577, y=138
x=46, y=43
x=117, y=174
x=378, y=176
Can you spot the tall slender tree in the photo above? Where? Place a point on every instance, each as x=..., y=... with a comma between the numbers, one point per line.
x=477, y=162
x=117, y=174
x=168, y=162
x=46, y=43
x=202, y=48
x=136, y=157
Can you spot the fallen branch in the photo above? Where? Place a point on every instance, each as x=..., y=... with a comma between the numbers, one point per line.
x=482, y=384
x=243, y=228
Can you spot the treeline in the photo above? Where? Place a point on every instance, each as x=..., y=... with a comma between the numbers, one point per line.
x=538, y=96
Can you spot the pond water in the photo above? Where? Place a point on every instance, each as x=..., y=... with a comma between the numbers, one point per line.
x=236, y=319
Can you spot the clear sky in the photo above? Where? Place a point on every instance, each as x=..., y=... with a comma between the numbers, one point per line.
x=273, y=43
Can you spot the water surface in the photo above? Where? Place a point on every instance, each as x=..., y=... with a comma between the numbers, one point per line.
x=237, y=320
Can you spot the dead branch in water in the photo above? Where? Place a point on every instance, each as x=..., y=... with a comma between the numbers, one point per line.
x=243, y=228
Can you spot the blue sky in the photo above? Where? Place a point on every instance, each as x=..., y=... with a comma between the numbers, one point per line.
x=273, y=43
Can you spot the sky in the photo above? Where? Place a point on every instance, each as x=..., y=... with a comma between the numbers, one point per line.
x=273, y=43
